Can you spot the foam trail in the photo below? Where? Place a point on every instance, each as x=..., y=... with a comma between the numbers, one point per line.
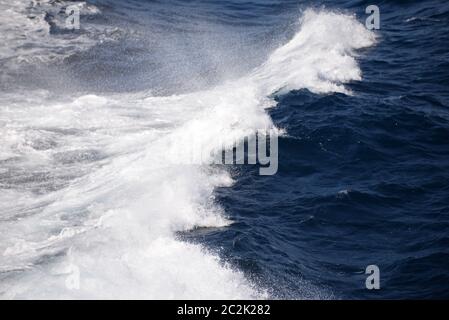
x=27, y=22
x=111, y=232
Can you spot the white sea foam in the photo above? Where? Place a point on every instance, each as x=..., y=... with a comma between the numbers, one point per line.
x=26, y=38
x=111, y=232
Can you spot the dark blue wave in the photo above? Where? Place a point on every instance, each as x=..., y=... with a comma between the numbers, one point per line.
x=363, y=179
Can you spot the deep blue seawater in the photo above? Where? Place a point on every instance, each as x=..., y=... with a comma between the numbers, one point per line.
x=363, y=178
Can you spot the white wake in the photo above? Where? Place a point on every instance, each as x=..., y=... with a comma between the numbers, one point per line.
x=111, y=232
